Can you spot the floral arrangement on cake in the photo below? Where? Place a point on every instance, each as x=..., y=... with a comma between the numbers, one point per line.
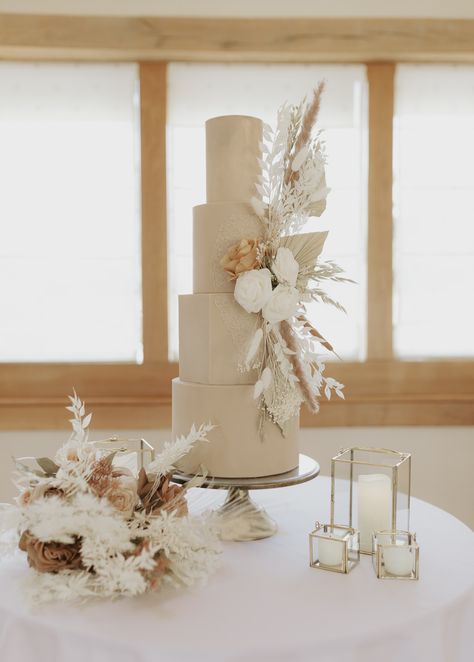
x=92, y=528
x=277, y=274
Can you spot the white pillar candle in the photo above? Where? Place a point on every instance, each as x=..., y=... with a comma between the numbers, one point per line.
x=374, y=506
x=330, y=551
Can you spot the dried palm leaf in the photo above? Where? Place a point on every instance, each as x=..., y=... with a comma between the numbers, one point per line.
x=306, y=247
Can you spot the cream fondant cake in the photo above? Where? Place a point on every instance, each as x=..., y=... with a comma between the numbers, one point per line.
x=215, y=331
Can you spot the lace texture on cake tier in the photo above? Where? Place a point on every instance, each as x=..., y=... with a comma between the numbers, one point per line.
x=231, y=231
x=240, y=325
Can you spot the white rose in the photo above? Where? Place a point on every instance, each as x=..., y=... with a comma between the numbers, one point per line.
x=253, y=289
x=285, y=267
x=282, y=305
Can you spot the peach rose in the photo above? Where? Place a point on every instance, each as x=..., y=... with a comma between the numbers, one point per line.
x=50, y=556
x=42, y=490
x=122, y=494
x=241, y=257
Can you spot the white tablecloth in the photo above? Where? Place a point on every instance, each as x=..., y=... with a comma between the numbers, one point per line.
x=266, y=603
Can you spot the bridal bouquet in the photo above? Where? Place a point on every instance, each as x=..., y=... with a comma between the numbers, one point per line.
x=277, y=274
x=90, y=526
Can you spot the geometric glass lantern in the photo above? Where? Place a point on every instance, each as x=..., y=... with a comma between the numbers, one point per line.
x=396, y=555
x=370, y=491
x=134, y=454
x=333, y=547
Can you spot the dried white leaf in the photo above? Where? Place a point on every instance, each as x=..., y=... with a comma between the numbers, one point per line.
x=258, y=206
x=267, y=377
x=320, y=194
x=257, y=389
x=254, y=346
x=76, y=425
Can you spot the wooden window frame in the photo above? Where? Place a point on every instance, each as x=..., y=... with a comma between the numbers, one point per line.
x=381, y=390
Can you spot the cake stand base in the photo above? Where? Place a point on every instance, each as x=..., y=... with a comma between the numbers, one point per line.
x=240, y=518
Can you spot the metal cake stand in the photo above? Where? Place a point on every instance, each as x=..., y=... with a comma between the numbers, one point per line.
x=241, y=519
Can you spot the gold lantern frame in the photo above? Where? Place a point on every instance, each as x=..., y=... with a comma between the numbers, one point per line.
x=378, y=553
x=349, y=541
x=121, y=445
x=349, y=456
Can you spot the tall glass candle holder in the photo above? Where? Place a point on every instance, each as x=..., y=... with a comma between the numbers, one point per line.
x=396, y=555
x=333, y=547
x=134, y=454
x=370, y=491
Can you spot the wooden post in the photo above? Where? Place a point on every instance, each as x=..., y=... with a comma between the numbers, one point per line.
x=380, y=231
x=154, y=235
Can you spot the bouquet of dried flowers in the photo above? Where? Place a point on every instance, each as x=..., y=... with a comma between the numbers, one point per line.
x=280, y=272
x=91, y=527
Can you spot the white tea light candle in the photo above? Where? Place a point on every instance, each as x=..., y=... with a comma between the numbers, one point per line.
x=374, y=506
x=397, y=555
x=330, y=551
x=398, y=560
x=334, y=547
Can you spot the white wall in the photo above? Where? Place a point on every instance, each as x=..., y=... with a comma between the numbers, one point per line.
x=443, y=457
x=267, y=8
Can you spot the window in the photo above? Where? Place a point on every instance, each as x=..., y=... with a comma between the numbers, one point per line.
x=197, y=92
x=70, y=268
x=434, y=211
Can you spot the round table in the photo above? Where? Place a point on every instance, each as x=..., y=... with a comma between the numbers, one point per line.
x=266, y=603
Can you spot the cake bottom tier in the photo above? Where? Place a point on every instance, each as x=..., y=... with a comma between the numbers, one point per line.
x=235, y=448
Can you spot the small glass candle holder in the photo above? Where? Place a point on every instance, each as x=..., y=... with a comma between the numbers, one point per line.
x=134, y=454
x=333, y=547
x=396, y=555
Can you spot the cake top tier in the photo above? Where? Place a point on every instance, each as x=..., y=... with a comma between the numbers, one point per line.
x=232, y=153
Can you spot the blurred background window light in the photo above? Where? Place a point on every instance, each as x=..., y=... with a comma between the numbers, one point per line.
x=70, y=273
x=434, y=211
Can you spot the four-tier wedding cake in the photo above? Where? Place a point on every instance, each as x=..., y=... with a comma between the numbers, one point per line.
x=249, y=355
x=214, y=330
